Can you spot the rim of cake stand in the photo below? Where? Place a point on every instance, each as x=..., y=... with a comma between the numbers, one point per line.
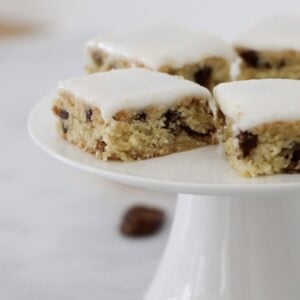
x=39, y=122
x=176, y=187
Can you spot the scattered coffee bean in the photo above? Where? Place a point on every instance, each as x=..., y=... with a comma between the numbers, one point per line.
x=140, y=116
x=88, y=114
x=140, y=221
x=247, y=142
x=250, y=57
x=171, y=119
x=203, y=76
x=63, y=114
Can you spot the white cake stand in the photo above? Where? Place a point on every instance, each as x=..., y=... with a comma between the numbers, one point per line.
x=233, y=238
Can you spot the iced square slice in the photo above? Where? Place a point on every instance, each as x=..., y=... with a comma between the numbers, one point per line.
x=134, y=114
x=198, y=56
x=270, y=48
x=259, y=124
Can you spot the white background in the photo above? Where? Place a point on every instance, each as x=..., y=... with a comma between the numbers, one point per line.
x=58, y=227
x=73, y=16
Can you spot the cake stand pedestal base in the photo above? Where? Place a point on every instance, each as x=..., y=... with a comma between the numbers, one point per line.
x=231, y=248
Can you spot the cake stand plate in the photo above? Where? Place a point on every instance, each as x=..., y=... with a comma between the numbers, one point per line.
x=232, y=238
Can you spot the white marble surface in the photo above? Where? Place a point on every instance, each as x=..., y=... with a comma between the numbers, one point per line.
x=58, y=227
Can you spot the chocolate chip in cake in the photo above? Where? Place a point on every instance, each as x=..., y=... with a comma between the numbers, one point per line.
x=296, y=154
x=140, y=116
x=63, y=114
x=250, y=57
x=100, y=145
x=294, y=166
x=195, y=134
x=281, y=64
x=203, y=76
x=266, y=65
x=171, y=119
x=88, y=114
x=140, y=221
x=247, y=142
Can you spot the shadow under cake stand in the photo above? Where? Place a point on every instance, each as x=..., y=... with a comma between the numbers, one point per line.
x=232, y=238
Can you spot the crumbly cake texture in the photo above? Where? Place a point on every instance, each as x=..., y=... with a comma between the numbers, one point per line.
x=270, y=48
x=133, y=114
x=258, y=123
x=198, y=56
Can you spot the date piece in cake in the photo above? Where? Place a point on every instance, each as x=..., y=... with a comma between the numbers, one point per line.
x=259, y=124
x=134, y=114
x=270, y=49
x=198, y=56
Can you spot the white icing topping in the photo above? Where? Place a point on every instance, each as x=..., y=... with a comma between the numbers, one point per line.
x=134, y=88
x=272, y=33
x=251, y=103
x=164, y=45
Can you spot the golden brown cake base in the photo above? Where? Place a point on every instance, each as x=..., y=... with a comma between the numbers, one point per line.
x=269, y=64
x=264, y=150
x=133, y=135
x=207, y=72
